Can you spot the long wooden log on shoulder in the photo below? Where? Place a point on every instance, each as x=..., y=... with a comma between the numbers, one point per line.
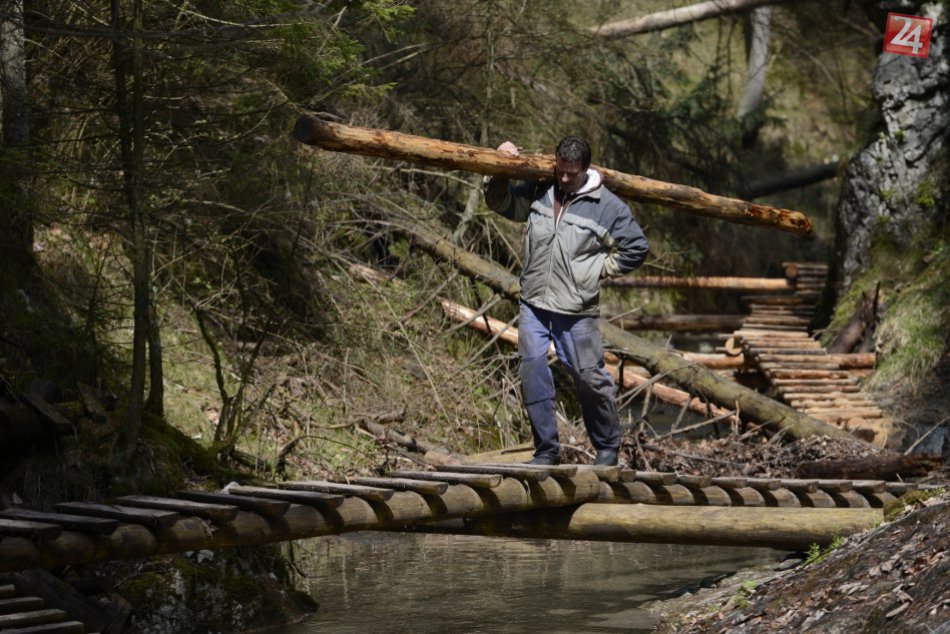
x=658, y=360
x=416, y=149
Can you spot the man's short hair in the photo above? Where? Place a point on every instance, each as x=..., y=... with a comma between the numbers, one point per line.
x=573, y=149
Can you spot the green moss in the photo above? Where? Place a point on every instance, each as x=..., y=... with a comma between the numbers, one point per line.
x=913, y=334
x=927, y=194
x=895, y=508
x=915, y=301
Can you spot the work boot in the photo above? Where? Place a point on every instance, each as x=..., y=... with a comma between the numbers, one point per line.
x=606, y=457
x=546, y=459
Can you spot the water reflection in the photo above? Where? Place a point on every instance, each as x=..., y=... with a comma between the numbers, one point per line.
x=378, y=582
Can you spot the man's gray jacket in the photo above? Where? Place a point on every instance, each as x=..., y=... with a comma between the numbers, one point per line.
x=595, y=236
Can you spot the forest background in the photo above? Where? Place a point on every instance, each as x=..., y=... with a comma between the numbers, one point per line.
x=165, y=241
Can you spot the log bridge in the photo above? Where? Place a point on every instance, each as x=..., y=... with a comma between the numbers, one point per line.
x=775, y=342
x=495, y=499
x=724, y=510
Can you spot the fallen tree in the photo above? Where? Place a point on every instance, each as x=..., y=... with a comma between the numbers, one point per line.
x=676, y=17
x=697, y=379
x=416, y=149
x=627, y=377
x=680, y=323
x=707, y=282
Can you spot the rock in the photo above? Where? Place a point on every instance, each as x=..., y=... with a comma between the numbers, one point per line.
x=894, y=185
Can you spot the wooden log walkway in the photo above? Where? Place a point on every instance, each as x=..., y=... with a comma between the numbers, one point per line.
x=141, y=526
x=774, y=340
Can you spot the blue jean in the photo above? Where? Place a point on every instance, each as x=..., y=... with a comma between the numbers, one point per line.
x=579, y=347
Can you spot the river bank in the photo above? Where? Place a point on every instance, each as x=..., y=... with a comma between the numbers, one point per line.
x=894, y=578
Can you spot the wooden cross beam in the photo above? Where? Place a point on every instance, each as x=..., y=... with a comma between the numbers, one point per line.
x=446, y=154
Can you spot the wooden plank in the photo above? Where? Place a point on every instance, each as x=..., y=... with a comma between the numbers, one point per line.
x=808, y=374
x=151, y=518
x=46, y=411
x=374, y=494
x=801, y=365
x=797, y=390
x=79, y=523
x=604, y=473
x=33, y=617
x=216, y=513
x=756, y=324
x=694, y=481
x=764, y=484
x=7, y=590
x=20, y=604
x=794, y=357
x=529, y=475
x=30, y=530
x=262, y=506
x=423, y=487
x=869, y=486
x=788, y=351
x=307, y=498
x=794, y=485
x=835, y=486
x=64, y=627
x=474, y=480
x=773, y=300
x=854, y=412
x=730, y=482
x=561, y=470
x=648, y=477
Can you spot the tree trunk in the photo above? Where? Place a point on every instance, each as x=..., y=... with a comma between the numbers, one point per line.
x=872, y=468
x=785, y=528
x=16, y=217
x=676, y=17
x=790, y=180
x=721, y=283
x=751, y=100
x=677, y=323
x=131, y=141
x=695, y=378
x=761, y=19
x=405, y=147
x=859, y=331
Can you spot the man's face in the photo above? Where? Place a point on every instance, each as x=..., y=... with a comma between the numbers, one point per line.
x=570, y=176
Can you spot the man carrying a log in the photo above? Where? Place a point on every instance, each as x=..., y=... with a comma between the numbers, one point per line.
x=578, y=231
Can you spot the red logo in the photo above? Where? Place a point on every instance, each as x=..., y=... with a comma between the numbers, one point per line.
x=907, y=35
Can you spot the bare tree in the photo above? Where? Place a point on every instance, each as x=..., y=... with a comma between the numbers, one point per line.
x=16, y=219
x=132, y=148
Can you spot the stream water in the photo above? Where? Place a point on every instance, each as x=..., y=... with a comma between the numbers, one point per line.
x=379, y=582
x=396, y=582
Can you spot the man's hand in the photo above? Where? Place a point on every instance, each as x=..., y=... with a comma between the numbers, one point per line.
x=509, y=148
